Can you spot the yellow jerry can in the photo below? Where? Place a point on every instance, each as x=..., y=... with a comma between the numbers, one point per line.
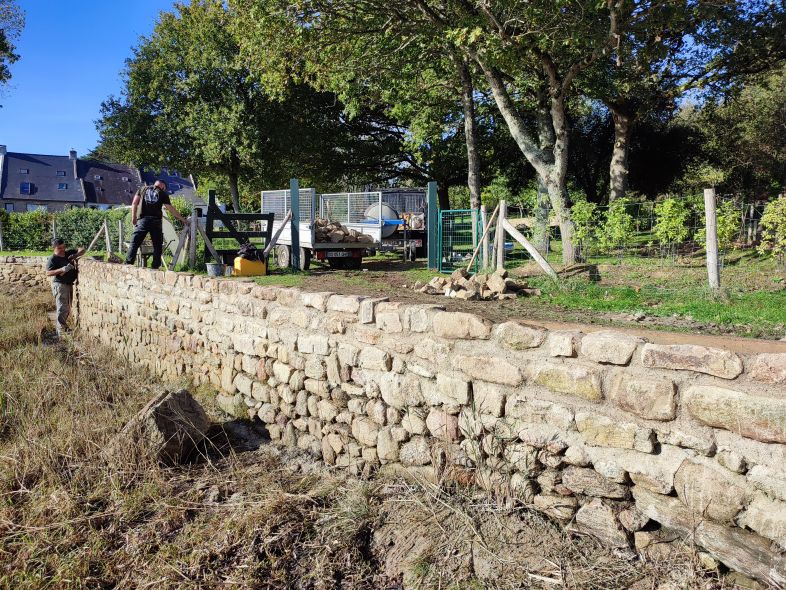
x=249, y=268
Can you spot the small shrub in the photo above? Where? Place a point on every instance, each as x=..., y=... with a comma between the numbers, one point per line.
x=618, y=228
x=671, y=224
x=584, y=215
x=773, y=234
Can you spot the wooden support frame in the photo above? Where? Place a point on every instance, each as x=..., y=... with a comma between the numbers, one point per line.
x=533, y=251
x=230, y=231
x=484, y=240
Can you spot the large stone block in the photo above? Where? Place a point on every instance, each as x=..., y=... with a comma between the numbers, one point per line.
x=457, y=325
x=375, y=359
x=650, y=398
x=365, y=431
x=689, y=357
x=759, y=418
x=769, y=368
x=344, y=303
x=767, y=517
x=768, y=480
x=442, y=425
x=538, y=412
x=557, y=507
x=563, y=343
x=415, y=452
x=613, y=348
x=316, y=300
x=401, y=391
x=387, y=447
x=713, y=493
x=598, y=520
x=491, y=369
x=452, y=389
x=431, y=349
x=488, y=398
x=577, y=380
x=520, y=336
x=601, y=431
x=589, y=482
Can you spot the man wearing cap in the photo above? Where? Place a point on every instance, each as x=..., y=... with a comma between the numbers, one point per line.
x=146, y=215
x=61, y=266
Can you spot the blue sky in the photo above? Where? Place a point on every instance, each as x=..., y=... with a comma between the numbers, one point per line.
x=72, y=55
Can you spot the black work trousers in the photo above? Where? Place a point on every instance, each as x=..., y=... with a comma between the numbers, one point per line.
x=152, y=226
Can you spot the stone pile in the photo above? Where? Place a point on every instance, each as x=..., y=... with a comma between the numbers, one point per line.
x=630, y=441
x=335, y=233
x=463, y=285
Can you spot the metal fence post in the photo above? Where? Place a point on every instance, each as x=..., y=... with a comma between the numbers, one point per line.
x=713, y=269
x=433, y=212
x=294, y=202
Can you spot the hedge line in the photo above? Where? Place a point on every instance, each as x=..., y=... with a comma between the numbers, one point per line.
x=32, y=230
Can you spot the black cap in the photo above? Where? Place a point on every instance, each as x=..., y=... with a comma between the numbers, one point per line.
x=58, y=242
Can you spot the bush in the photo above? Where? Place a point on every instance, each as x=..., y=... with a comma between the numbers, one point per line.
x=773, y=224
x=27, y=231
x=78, y=226
x=671, y=223
x=584, y=215
x=618, y=228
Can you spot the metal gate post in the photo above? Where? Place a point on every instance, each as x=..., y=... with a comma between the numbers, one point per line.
x=433, y=215
x=294, y=224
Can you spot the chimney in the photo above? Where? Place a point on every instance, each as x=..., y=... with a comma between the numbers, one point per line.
x=72, y=157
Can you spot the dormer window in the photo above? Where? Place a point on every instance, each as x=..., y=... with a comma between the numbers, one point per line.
x=98, y=177
x=24, y=171
x=61, y=186
x=125, y=179
x=61, y=173
x=25, y=188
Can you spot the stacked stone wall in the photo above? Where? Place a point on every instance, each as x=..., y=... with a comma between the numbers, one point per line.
x=23, y=271
x=608, y=433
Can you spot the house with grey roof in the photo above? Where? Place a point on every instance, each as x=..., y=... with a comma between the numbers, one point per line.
x=54, y=183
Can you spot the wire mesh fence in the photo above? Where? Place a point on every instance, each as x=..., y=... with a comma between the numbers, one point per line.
x=458, y=232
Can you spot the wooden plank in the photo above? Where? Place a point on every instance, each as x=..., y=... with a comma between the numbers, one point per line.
x=272, y=242
x=108, y=240
x=713, y=268
x=120, y=236
x=533, y=251
x=192, y=227
x=180, y=243
x=483, y=239
x=95, y=239
x=208, y=243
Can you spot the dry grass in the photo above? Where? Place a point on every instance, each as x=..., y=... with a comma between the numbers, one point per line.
x=256, y=519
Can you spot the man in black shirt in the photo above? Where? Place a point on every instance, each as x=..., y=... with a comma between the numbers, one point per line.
x=62, y=267
x=146, y=215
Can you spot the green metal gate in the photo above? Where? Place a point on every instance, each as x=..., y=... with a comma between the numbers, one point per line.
x=458, y=231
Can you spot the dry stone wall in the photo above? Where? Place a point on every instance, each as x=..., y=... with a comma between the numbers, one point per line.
x=610, y=434
x=23, y=271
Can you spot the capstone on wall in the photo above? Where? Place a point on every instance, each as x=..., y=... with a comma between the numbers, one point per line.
x=604, y=431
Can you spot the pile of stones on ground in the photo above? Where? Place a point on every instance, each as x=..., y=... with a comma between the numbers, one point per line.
x=335, y=233
x=484, y=286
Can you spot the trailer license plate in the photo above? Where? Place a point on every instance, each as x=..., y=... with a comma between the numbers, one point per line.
x=338, y=254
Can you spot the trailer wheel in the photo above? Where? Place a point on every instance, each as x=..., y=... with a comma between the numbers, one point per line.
x=305, y=258
x=283, y=257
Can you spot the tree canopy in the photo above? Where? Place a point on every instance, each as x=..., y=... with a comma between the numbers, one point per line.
x=12, y=21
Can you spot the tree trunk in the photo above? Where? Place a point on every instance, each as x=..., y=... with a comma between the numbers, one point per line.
x=553, y=175
x=619, y=169
x=443, y=196
x=470, y=134
x=540, y=229
x=234, y=192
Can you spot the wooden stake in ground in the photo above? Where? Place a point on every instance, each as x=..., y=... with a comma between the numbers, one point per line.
x=2, y=244
x=95, y=239
x=503, y=214
x=107, y=239
x=713, y=268
x=484, y=241
x=181, y=240
x=119, y=236
x=193, y=226
x=208, y=243
x=533, y=251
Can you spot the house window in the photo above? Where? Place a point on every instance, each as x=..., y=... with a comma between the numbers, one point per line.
x=25, y=188
x=61, y=172
x=98, y=177
x=125, y=179
x=9, y=207
x=61, y=186
x=34, y=207
x=104, y=207
x=24, y=171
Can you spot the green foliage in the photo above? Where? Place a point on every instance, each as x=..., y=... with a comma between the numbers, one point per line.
x=773, y=224
x=78, y=226
x=31, y=230
x=618, y=227
x=729, y=218
x=496, y=191
x=12, y=21
x=584, y=215
x=671, y=222
x=459, y=197
x=184, y=208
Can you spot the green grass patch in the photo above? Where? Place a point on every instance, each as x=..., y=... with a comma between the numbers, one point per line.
x=282, y=279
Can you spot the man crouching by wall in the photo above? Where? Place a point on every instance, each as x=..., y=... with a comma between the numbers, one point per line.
x=62, y=266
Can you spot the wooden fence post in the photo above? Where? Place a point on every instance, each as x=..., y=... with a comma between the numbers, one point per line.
x=713, y=269
x=503, y=214
x=107, y=240
x=120, y=236
x=485, y=239
x=192, y=241
x=2, y=243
